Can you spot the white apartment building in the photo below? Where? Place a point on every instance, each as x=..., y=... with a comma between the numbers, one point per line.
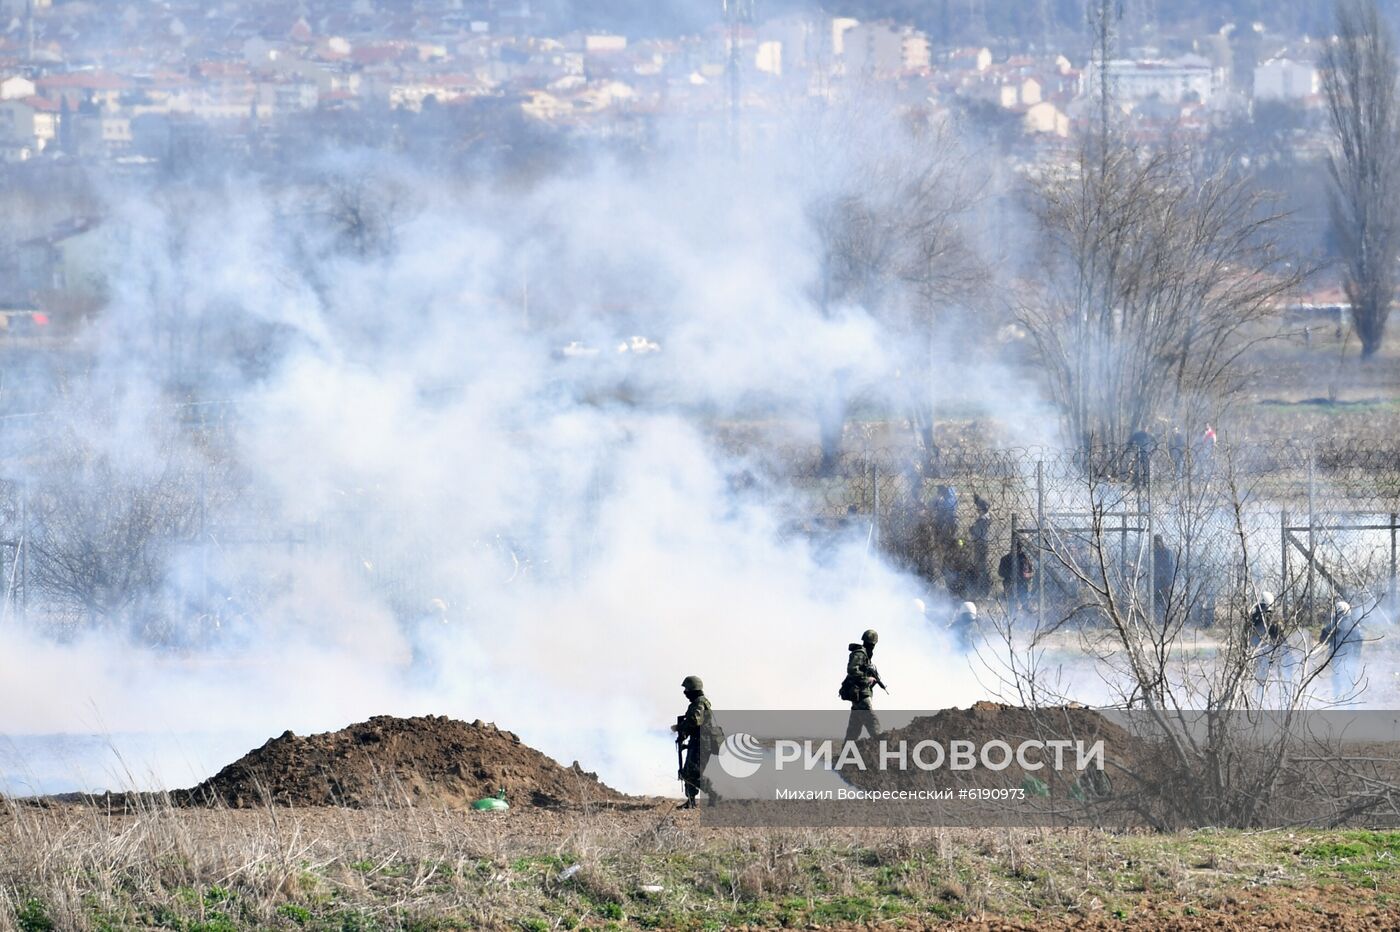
x=1173, y=81
x=1286, y=79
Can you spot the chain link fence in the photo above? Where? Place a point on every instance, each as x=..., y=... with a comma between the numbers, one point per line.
x=1309, y=524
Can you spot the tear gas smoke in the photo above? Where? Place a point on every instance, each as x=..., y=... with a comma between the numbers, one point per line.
x=451, y=516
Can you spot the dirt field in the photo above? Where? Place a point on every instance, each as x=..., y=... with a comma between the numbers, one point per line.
x=370, y=829
x=641, y=864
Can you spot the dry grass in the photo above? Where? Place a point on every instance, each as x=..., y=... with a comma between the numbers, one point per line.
x=218, y=870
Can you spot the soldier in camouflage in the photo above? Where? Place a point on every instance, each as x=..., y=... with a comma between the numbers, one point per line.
x=697, y=734
x=859, y=686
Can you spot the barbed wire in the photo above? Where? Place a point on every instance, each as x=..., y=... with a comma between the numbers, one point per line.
x=1318, y=520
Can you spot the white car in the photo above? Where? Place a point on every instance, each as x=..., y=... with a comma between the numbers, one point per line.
x=576, y=350
x=639, y=346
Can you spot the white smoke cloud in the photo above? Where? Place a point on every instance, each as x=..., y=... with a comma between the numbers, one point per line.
x=561, y=537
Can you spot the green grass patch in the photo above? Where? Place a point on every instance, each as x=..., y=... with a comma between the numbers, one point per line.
x=548, y=863
x=298, y=914
x=1362, y=858
x=33, y=916
x=846, y=909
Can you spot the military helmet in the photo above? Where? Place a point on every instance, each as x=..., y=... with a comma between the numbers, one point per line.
x=871, y=636
x=692, y=682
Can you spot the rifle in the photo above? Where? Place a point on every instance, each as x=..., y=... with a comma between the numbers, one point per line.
x=680, y=748
x=875, y=675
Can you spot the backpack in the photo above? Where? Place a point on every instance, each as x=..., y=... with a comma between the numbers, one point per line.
x=709, y=732
x=715, y=736
x=850, y=689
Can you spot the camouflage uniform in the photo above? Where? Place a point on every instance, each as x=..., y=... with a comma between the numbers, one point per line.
x=696, y=729
x=860, y=686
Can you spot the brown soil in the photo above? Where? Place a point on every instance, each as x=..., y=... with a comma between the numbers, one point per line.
x=395, y=762
x=987, y=721
x=1241, y=909
x=990, y=721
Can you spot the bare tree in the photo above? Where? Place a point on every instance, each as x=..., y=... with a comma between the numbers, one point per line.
x=893, y=240
x=1156, y=275
x=1161, y=596
x=1359, y=75
x=363, y=213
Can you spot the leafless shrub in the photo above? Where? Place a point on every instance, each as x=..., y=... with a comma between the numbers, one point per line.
x=1156, y=272
x=362, y=211
x=1162, y=589
x=98, y=537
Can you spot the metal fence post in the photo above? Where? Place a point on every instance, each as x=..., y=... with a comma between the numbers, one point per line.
x=1390, y=588
x=1312, y=538
x=1039, y=541
x=1012, y=603
x=1152, y=558
x=1285, y=587
x=1195, y=604
x=1123, y=560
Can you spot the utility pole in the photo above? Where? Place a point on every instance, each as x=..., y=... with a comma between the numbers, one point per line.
x=738, y=15
x=1105, y=25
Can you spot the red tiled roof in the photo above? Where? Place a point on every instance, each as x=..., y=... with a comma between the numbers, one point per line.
x=84, y=80
x=375, y=54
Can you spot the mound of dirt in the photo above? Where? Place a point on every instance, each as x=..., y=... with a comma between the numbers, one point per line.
x=430, y=761
x=990, y=721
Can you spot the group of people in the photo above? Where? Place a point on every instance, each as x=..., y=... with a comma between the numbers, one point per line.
x=1341, y=641
x=958, y=563
x=698, y=737
x=1186, y=454
x=932, y=545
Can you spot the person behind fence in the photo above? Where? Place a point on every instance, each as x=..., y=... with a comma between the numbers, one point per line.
x=1176, y=448
x=963, y=627
x=859, y=686
x=1163, y=575
x=1205, y=452
x=1265, y=636
x=945, y=517
x=699, y=736
x=1140, y=448
x=1016, y=574
x=1341, y=637
x=980, y=532
x=1263, y=629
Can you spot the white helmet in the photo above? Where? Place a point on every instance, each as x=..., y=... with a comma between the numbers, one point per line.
x=919, y=606
x=1266, y=599
x=1342, y=607
x=970, y=609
